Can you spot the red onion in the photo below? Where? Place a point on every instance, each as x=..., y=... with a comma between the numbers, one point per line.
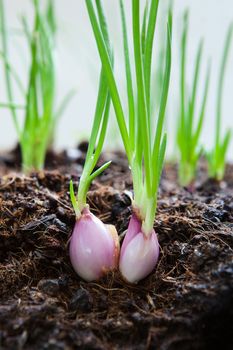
x=139, y=252
x=94, y=247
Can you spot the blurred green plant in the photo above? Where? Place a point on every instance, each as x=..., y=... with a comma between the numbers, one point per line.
x=37, y=132
x=217, y=156
x=188, y=132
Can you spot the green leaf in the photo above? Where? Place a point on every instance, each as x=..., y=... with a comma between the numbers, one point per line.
x=103, y=25
x=148, y=48
x=194, y=91
x=100, y=122
x=196, y=136
x=137, y=138
x=13, y=74
x=224, y=147
x=143, y=120
x=128, y=74
x=11, y=106
x=144, y=28
x=106, y=62
x=188, y=132
x=51, y=18
x=217, y=165
x=221, y=82
x=161, y=158
x=73, y=200
x=26, y=30
x=100, y=106
x=163, y=102
x=100, y=170
x=183, y=126
x=103, y=130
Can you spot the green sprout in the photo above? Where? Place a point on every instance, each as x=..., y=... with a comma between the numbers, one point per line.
x=145, y=152
x=216, y=158
x=94, y=246
x=158, y=68
x=188, y=132
x=40, y=115
x=95, y=146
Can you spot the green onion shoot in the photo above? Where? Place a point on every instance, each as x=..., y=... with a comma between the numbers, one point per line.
x=145, y=151
x=94, y=247
x=189, y=132
x=217, y=157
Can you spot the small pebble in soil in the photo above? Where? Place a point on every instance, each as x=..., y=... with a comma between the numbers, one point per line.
x=136, y=317
x=52, y=286
x=204, y=254
x=61, y=213
x=224, y=270
x=44, y=222
x=215, y=215
x=81, y=301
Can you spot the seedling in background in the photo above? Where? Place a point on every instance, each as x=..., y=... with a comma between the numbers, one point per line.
x=94, y=247
x=140, y=248
x=189, y=132
x=40, y=115
x=217, y=157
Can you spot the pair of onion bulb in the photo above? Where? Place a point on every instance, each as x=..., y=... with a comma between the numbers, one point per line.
x=95, y=249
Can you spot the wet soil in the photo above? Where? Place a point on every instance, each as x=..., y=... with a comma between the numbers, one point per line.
x=186, y=303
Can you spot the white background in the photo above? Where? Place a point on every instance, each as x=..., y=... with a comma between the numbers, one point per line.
x=78, y=63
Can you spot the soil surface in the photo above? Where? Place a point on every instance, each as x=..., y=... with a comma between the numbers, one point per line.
x=186, y=303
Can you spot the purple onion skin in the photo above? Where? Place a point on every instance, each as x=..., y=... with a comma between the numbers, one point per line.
x=94, y=247
x=139, y=253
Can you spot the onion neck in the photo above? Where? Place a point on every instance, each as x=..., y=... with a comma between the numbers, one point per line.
x=83, y=187
x=145, y=213
x=144, y=204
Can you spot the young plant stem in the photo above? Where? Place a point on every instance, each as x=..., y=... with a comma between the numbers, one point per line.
x=145, y=152
x=95, y=146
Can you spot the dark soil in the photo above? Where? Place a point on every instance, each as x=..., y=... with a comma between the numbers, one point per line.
x=186, y=303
